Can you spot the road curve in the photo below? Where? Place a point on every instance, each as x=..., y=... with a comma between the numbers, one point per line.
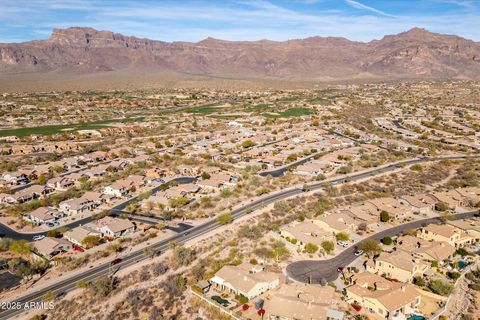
x=313, y=271
x=68, y=284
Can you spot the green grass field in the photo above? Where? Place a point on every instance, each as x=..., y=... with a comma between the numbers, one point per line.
x=292, y=112
x=206, y=109
x=53, y=129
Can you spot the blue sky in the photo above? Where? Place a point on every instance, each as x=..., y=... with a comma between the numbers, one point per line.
x=194, y=20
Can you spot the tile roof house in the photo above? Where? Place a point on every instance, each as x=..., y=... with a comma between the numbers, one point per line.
x=452, y=198
x=301, y=301
x=60, y=183
x=383, y=298
x=43, y=215
x=426, y=250
x=421, y=203
x=114, y=228
x=217, y=181
x=398, y=265
x=337, y=222
x=306, y=232
x=446, y=233
x=76, y=206
x=49, y=247
x=392, y=206
x=245, y=279
x=76, y=235
x=471, y=227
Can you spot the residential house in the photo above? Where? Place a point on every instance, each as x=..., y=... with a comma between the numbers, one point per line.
x=398, y=265
x=49, y=247
x=394, y=208
x=302, y=301
x=312, y=168
x=217, y=181
x=76, y=206
x=245, y=279
x=188, y=170
x=426, y=250
x=43, y=215
x=451, y=198
x=305, y=232
x=118, y=189
x=337, y=222
x=155, y=174
x=446, y=233
x=78, y=234
x=60, y=183
x=423, y=203
x=15, y=178
x=180, y=190
x=383, y=298
x=470, y=227
x=470, y=194
x=114, y=227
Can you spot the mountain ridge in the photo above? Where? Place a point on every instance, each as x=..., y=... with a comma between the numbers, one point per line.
x=416, y=53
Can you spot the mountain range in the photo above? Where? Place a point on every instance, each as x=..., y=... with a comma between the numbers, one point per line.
x=414, y=54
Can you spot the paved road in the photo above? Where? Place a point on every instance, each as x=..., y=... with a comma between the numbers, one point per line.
x=68, y=284
x=10, y=233
x=313, y=271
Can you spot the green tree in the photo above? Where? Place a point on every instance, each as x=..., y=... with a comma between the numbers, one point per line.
x=311, y=248
x=225, y=218
x=387, y=241
x=183, y=256
x=280, y=251
x=292, y=157
x=42, y=179
x=416, y=167
x=441, y=206
x=328, y=246
x=342, y=236
x=91, y=241
x=248, y=144
x=250, y=232
x=102, y=286
x=178, y=202
x=384, y=216
x=439, y=287
x=370, y=247
x=205, y=176
x=21, y=247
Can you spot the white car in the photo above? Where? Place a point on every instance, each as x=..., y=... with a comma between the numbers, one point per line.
x=39, y=237
x=342, y=244
x=358, y=253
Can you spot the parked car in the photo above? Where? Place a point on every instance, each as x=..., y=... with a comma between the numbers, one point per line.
x=358, y=253
x=342, y=244
x=39, y=237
